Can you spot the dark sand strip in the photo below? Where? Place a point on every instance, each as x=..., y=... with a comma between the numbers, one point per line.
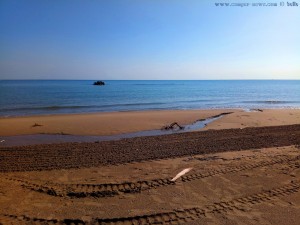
x=77, y=155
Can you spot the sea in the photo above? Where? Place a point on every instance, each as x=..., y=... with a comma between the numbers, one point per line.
x=48, y=97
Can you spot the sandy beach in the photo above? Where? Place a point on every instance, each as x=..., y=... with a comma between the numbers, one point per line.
x=244, y=170
x=125, y=122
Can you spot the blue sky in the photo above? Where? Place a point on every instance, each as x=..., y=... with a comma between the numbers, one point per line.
x=147, y=39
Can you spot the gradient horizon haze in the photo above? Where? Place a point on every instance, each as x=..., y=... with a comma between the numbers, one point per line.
x=133, y=39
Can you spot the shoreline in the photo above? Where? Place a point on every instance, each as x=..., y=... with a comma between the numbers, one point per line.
x=245, y=109
x=114, y=123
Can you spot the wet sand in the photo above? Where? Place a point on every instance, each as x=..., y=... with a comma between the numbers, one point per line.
x=246, y=175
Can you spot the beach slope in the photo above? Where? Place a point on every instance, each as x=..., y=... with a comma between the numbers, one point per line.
x=248, y=173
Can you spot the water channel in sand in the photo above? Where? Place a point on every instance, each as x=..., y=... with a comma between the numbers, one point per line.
x=33, y=139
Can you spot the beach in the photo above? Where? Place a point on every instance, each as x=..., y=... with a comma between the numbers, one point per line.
x=111, y=123
x=149, y=113
x=244, y=169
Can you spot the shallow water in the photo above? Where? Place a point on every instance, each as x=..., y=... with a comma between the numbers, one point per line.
x=37, y=97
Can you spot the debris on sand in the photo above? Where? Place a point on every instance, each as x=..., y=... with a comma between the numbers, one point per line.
x=36, y=125
x=256, y=110
x=172, y=126
x=181, y=173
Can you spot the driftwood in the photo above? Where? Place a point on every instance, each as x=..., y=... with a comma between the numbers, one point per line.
x=172, y=126
x=181, y=174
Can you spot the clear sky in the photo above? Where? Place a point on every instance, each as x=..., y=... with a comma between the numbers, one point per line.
x=147, y=39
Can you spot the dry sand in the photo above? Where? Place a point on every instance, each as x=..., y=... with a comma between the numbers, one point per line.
x=239, y=176
x=100, y=123
x=259, y=186
x=268, y=117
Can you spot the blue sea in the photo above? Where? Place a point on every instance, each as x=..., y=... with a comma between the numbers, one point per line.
x=43, y=97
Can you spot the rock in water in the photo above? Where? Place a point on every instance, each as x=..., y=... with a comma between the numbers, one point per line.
x=99, y=83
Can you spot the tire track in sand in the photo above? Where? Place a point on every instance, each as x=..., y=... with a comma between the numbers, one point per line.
x=112, y=189
x=176, y=216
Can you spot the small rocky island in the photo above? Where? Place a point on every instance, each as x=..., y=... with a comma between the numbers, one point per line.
x=100, y=83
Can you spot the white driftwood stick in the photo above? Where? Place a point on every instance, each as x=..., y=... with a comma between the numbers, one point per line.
x=181, y=173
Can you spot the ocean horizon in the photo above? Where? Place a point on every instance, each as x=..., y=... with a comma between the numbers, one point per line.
x=49, y=97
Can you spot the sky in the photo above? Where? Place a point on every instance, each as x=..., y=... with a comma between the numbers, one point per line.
x=147, y=39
